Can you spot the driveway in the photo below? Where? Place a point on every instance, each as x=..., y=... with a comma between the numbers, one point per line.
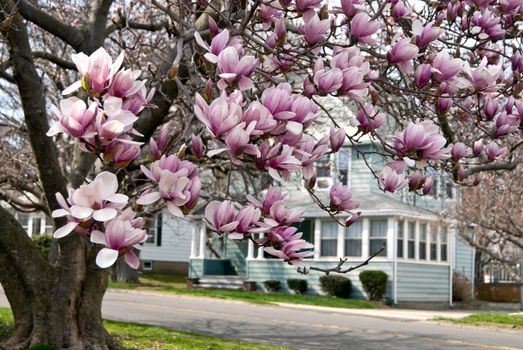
x=300, y=327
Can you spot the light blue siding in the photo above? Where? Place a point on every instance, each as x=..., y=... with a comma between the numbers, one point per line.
x=464, y=258
x=262, y=270
x=360, y=177
x=422, y=282
x=196, y=268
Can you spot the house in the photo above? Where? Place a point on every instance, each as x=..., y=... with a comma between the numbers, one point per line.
x=168, y=247
x=421, y=250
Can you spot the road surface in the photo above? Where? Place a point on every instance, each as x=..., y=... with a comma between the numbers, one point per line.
x=299, y=328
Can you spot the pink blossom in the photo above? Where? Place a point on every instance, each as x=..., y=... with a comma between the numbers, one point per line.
x=121, y=153
x=176, y=182
x=421, y=141
x=445, y=68
x=416, y=180
x=97, y=200
x=341, y=198
x=399, y=10
x=486, y=25
x=349, y=7
x=119, y=238
x=75, y=119
x=279, y=160
x=235, y=69
x=506, y=124
x=273, y=195
x=221, y=216
x=362, y=27
x=444, y=104
x=278, y=100
x=458, y=151
x=402, y=53
x=197, y=146
x=306, y=5
x=308, y=151
x=315, y=30
x=368, y=119
x=483, y=77
x=220, y=117
x=490, y=108
x=351, y=219
x=391, y=180
x=293, y=252
x=336, y=138
x=96, y=70
x=425, y=34
x=248, y=220
x=125, y=83
x=218, y=44
x=493, y=151
x=477, y=147
x=140, y=100
x=422, y=75
x=427, y=185
x=159, y=145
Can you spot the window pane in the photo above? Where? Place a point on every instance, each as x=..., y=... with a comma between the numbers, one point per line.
x=448, y=190
x=151, y=231
x=410, y=246
x=353, y=247
x=422, y=232
x=412, y=230
x=422, y=250
x=375, y=245
x=400, y=229
x=37, y=224
x=329, y=229
x=329, y=247
x=23, y=219
x=433, y=251
x=378, y=228
x=323, y=166
x=444, y=252
x=354, y=230
x=400, y=248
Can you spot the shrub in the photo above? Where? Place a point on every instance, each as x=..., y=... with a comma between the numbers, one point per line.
x=461, y=288
x=374, y=283
x=297, y=285
x=43, y=242
x=272, y=285
x=337, y=286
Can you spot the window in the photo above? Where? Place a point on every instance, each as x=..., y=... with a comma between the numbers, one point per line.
x=378, y=236
x=23, y=219
x=48, y=225
x=154, y=230
x=433, y=242
x=411, y=244
x=449, y=190
x=323, y=166
x=329, y=238
x=422, y=241
x=443, y=243
x=147, y=265
x=343, y=165
x=399, y=250
x=353, y=239
x=36, y=226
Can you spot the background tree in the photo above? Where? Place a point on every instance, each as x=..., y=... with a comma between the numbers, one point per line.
x=246, y=87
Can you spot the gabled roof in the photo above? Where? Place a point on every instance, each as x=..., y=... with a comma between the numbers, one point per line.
x=371, y=204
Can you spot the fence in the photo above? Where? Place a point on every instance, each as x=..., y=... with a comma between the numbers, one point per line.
x=498, y=292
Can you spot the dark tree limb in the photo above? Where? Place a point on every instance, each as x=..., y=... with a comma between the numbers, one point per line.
x=64, y=31
x=490, y=167
x=55, y=59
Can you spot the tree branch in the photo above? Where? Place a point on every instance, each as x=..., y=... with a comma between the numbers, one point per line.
x=490, y=167
x=55, y=59
x=67, y=33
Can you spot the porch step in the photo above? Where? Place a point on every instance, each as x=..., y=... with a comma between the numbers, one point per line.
x=220, y=282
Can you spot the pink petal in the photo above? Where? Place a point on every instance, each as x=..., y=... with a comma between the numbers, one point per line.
x=149, y=198
x=106, y=257
x=132, y=260
x=174, y=210
x=104, y=214
x=65, y=230
x=81, y=212
x=98, y=237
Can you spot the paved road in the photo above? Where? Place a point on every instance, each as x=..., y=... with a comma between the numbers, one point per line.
x=298, y=328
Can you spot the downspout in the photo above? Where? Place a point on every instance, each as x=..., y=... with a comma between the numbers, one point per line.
x=452, y=240
x=473, y=269
x=395, y=262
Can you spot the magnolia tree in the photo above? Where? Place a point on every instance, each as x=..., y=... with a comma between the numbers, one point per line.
x=434, y=85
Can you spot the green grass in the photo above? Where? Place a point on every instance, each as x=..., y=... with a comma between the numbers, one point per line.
x=142, y=337
x=489, y=319
x=176, y=284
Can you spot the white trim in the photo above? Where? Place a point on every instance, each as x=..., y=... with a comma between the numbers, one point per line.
x=365, y=227
x=203, y=238
x=391, y=223
x=395, y=260
x=341, y=241
x=416, y=240
x=250, y=249
x=193, y=241
x=260, y=249
x=317, y=238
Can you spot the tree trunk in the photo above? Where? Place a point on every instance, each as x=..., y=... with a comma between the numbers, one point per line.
x=121, y=272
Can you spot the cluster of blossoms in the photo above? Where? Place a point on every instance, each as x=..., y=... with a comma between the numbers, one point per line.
x=272, y=217
x=97, y=210
x=104, y=125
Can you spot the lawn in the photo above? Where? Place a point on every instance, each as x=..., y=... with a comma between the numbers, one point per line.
x=141, y=337
x=489, y=319
x=176, y=284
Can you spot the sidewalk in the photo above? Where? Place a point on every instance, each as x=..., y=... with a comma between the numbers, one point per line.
x=386, y=313
x=396, y=314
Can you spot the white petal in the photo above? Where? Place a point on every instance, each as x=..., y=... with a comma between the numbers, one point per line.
x=118, y=198
x=294, y=127
x=149, y=198
x=81, y=212
x=59, y=213
x=106, y=257
x=104, y=214
x=55, y=129
x=72, y=88
x=65, y=230
x=98, y=237
x=174, y=210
